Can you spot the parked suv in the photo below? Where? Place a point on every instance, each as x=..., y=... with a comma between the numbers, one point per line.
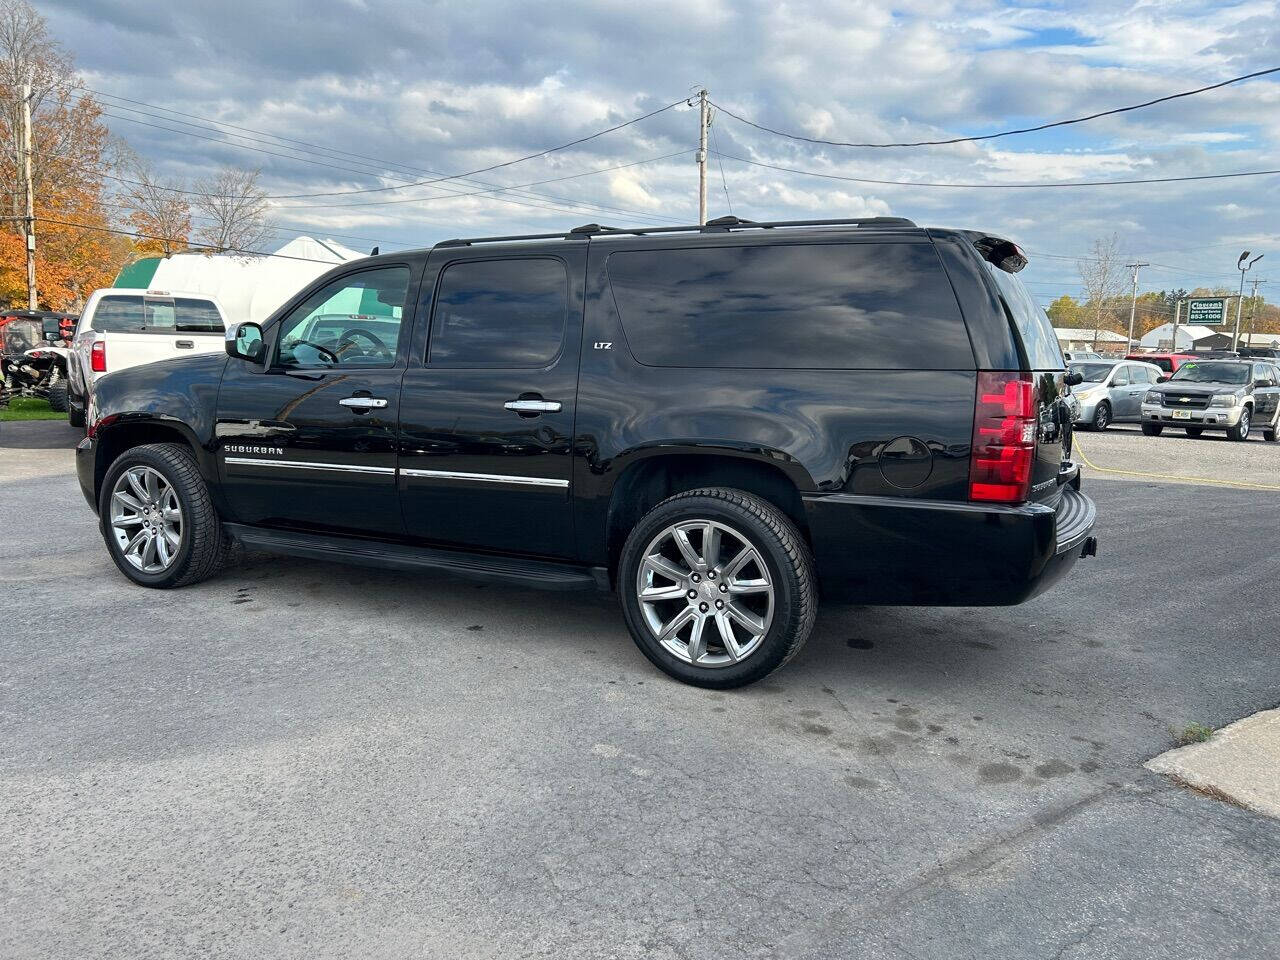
x=1230, y=395
x=121, y=328
x=717, y=422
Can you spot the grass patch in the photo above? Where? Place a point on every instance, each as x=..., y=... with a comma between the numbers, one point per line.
x=29, y=408
x=1194, y=733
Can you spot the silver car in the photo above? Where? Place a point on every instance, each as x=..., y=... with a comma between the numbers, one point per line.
x=1111, y=391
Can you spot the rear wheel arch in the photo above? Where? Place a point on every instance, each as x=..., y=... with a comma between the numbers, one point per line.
x=648, y=481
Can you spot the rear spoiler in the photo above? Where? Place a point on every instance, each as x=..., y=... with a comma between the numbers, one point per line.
x=1005, y=254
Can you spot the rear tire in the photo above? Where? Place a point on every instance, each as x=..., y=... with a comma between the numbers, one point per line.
x=1241, y=430
x=75, y=412
x=177, y=539
x=57, y=398
x=1102, y=416
x=696, y=542
x=1194, y=431
x=1152, y=429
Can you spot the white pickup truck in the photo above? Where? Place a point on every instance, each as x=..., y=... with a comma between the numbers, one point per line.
x=122, y=328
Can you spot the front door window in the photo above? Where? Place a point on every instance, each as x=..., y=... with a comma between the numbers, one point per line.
x=354, y=321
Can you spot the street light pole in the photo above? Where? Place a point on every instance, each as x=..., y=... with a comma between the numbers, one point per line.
x=1133, y=303
x=1243, y=268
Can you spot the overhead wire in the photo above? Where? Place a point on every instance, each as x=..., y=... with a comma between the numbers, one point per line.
x=1004, y=133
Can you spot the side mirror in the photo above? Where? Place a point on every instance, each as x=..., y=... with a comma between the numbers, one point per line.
x=244, y=342
x=1163, y=378
x=1072, y=379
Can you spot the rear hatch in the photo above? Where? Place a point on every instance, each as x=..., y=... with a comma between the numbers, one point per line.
x=143, y=328
x=1042, y=357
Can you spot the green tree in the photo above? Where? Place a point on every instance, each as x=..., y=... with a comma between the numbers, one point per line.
x=1065, y=312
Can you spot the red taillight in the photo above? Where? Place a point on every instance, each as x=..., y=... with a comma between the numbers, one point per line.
x=1004, y=437
x=98, y=356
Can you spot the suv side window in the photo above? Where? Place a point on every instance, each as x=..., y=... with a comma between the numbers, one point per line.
x=499, y=313
x=843, y=306
x=1120, y=378
x=1139, y=375
x=354, y=321
x=1261, y=372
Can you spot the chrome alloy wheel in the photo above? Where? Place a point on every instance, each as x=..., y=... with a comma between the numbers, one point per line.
x=705, y=593
x=146, y=519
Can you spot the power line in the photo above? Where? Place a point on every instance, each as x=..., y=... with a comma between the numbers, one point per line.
x=1002, y=186
x=491, y=193
x=1003, y=133
x=720, y=160
x=491, y=167
x=368, y=162
x=152, y=236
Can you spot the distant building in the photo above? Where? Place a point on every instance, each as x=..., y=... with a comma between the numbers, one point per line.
x=1086, y=338
x=1190, y=337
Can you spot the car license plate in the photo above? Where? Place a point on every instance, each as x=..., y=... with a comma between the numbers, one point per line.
x=1182, y=414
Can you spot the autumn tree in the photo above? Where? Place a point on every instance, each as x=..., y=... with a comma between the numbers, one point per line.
x=160, y=212
x=75, y=252
x=234, y=211
x=1065, y=312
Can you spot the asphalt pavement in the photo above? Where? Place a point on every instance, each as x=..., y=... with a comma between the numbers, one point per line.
x=305, y=760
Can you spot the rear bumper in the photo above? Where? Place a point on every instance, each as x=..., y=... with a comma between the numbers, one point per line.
x=86, y=468
x=887, y=550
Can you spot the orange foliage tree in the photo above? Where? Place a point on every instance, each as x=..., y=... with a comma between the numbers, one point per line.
x=75, y=253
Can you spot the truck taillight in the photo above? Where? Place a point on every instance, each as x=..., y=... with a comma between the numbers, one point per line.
x=1004, y=437
x=98, y=356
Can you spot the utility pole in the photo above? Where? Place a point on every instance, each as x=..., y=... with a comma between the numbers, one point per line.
x=1133, y=303
x=704, y=123
x=1253, y=310
x=1177, y=314
x=30, y=220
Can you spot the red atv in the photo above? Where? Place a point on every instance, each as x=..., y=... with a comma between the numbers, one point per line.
x=34, y=349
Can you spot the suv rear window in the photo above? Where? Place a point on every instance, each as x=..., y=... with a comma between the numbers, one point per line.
x=1034, y=326
x=138, y=314
x=836, y=306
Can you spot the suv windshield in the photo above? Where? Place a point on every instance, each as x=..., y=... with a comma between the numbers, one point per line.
x=1233, y=373
x=1092, y=372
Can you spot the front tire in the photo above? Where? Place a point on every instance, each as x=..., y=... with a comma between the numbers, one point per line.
x=1102, y=416
x=1194, y=431
x=1152, y=429
x=717, y=587
x=1241, y=430
x=158, y=520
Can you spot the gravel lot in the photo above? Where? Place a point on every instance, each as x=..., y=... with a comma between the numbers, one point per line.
x=303, y=760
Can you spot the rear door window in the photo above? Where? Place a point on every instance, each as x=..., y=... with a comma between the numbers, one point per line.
x=1033, y=325
x=500, y=313
x=836, y=306
x=139, y=314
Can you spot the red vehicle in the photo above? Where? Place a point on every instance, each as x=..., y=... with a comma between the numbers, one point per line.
x=1168, y=362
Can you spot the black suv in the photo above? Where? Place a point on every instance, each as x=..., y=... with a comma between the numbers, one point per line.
x=1230, y=395
x=718, y=422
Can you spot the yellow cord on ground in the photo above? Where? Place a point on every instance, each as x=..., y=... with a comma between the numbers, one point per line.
x=1162, y=476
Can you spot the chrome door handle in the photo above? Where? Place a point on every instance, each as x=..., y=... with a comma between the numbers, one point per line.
x=363, y=403
x=533, y=406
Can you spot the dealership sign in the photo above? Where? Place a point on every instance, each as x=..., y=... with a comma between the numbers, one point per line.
x=1207, y=313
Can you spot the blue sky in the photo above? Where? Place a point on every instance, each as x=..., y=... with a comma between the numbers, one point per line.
x=393, y=89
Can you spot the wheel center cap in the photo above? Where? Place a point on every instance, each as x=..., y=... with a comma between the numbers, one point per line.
x=708, y=590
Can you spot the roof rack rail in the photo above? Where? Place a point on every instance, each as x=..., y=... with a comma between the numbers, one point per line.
x=718, y=225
